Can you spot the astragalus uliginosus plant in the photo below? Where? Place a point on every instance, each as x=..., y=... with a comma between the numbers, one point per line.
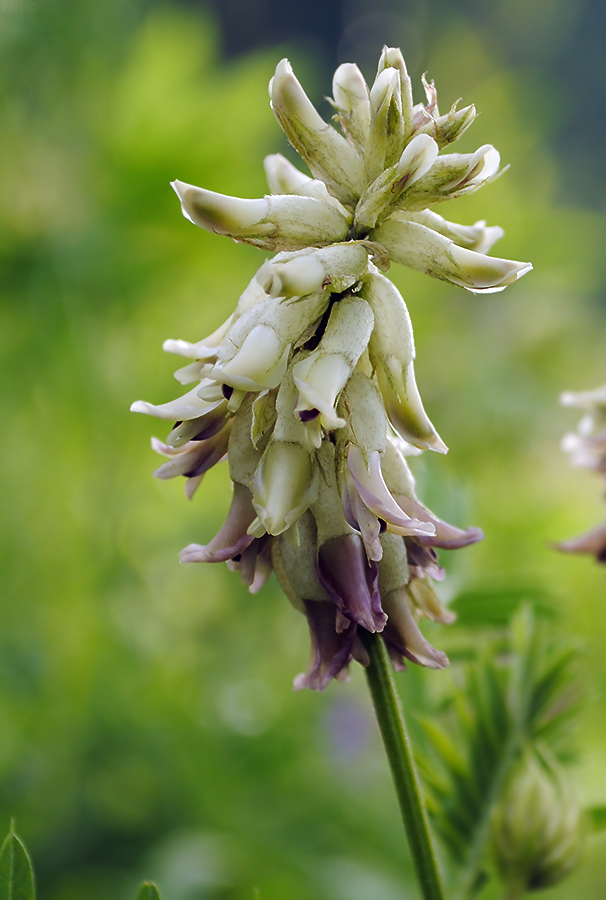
x=309, y=387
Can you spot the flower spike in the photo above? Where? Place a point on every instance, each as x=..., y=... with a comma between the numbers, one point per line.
x=309, y=387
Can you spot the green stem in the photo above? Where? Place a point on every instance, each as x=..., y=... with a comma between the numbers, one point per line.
x=399, y=753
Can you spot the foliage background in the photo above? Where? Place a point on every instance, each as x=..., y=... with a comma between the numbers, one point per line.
x=147, y=724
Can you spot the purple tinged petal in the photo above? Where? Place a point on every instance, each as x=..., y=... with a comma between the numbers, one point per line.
x=593, y=542
x=232, y=539
x=447, y=537
x=359, y=517
x=374, y=492
x=331, y=651
x=196, y=457
x=423, y=560
x=402, y=633
x=254, y=565
x=351, y=581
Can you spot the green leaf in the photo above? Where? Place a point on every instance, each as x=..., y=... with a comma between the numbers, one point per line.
x=597, y=818
x=519, y=692
x=148, y=891
x=16, y=874
x=494, y=606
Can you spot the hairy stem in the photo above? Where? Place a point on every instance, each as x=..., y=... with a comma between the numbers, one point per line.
x=399, y=754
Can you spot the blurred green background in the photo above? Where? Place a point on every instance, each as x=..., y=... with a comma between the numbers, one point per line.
x=147, y=723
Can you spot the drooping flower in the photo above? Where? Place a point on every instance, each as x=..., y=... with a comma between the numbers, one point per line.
x=587, y=448
x=309, y=387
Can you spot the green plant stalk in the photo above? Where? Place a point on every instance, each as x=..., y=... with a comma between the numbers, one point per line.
x=399, y=754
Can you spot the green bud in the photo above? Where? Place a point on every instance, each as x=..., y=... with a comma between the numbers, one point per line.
x=536, y=828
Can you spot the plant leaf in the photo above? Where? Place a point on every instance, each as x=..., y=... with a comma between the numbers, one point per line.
x=16, y=874
x=597, y=818
x=519, y=693
x=148, y=891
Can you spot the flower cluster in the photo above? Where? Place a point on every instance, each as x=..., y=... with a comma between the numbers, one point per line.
x=309, y=387
x=587, y=448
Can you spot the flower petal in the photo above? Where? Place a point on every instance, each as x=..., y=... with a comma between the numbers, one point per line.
x=425, y=250
x=232, y=539
x=593, y=542
x=284, y=222
x=329, y=156
x=371, y=486
x=402, y=632
x=331, y=651
x=351, y=581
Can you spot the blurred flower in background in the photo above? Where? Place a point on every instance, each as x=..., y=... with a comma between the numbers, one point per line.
x=587, y=449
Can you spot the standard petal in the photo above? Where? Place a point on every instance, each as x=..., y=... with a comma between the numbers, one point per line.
x=284, y=222
x=425, y=250
x=329, y=156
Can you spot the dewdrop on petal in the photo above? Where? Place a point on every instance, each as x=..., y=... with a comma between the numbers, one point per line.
x=308, y=389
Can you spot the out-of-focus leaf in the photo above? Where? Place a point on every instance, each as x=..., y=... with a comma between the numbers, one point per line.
x=16, y=874
x=597, y=818
x=512, y=697
x=148, y=891
x=494, y=607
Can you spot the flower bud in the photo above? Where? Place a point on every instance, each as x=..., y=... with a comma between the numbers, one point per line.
x=322, y=376
x=284, y=222
x=296, y=275
x=454, y=175
x=362, y=408
x=386, y=138
x=352, y=102
x=255, y=353
x=392, y=352
x=329, y=156
x=536, y=827
x=391, y=57
x=284, y=485
x=445, y=129
x=386, y=191
x=427, y=251
x=286, y=481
